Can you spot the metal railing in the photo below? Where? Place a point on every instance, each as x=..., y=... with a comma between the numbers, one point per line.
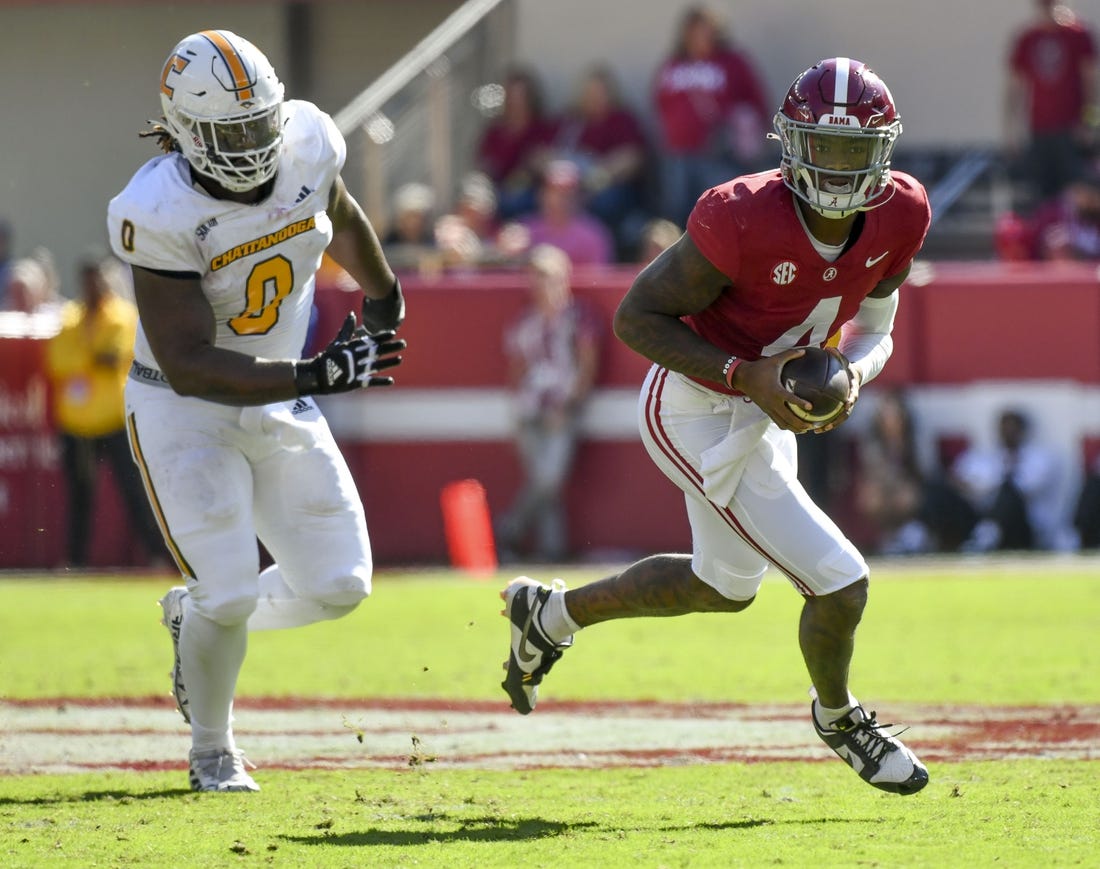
x=421, y=119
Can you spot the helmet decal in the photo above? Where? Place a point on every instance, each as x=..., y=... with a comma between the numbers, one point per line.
x=240, y=81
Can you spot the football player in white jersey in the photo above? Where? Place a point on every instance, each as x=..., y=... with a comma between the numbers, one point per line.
x=225, y=232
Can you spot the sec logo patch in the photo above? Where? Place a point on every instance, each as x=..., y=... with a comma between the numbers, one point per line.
x=784, y=273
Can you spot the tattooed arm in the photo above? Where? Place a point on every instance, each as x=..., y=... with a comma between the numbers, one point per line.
x=681, y=281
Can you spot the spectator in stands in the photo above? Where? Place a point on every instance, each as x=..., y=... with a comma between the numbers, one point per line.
x=1068, y=226
x=605, y=140
x=712, y=114
x=657, y=235
x=561, y=221
x=553, y=353
x=1050, y=103
x=29, y=287
x=1014, y=489
x=515, y=145
x=410, y=240
x=467, y=236
x=890, y=487
x=87, y=363
x=1086, y=515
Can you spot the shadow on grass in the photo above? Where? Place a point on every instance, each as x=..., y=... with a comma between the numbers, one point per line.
x=469, y=830
x=494, y=829
x=95, y=797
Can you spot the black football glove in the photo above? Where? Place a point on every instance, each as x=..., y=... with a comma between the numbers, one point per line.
x=384, y=315
x=350, y=362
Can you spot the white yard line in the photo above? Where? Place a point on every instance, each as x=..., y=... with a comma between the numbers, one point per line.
x=70, y=737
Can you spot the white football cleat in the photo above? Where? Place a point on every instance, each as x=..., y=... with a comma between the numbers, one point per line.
x=531, y=653
x=221, y=770
x=880, y=759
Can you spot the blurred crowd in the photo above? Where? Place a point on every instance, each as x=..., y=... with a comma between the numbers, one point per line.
x=1009, y=491
x=1052, y=139
x=594, y=184
x=590, y=179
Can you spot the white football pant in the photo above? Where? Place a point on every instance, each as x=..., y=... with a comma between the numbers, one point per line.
x=746, y=507
x=218, y=477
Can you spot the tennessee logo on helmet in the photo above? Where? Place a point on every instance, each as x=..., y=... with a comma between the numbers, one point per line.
x=175, y=64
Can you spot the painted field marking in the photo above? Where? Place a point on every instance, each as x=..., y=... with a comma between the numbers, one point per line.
x=61, y=736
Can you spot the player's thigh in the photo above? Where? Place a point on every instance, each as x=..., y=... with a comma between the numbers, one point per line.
x=774, y=514
x=200, y=488
x=311, y=519
x=720, y=556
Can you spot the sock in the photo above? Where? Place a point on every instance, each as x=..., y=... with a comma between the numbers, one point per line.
x=826, y=716
x=554, y=619
x=211, y=656
x=279, y=606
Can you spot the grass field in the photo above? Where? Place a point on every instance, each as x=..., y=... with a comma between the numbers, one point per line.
x=941, y=642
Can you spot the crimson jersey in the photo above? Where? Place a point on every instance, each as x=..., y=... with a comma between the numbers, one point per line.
x=781, y=292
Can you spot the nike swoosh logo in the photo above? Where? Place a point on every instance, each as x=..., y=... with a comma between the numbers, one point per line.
x=521, y=649
x=873, y=261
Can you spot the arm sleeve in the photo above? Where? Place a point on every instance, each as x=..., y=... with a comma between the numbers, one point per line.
x=865, y=339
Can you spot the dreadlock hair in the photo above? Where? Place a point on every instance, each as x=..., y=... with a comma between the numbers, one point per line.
x=164, y=138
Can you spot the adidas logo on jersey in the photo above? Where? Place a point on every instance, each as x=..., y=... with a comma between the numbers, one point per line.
x=301, y=406
x=302, y=194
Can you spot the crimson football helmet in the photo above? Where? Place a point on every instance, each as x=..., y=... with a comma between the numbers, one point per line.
x=222, y=103
x=838, y=125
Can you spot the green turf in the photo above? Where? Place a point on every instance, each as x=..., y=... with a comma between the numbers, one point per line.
x=1021, y=634
x=1020, y=814
x=970, y=633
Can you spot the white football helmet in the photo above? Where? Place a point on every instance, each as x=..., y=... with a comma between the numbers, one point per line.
x=222, y=103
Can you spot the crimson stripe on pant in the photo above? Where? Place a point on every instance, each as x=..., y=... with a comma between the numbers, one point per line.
x=660, y=437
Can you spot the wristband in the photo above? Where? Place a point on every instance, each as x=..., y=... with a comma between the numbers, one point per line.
x=386, y=314
x=306, y=378
x=729, y=368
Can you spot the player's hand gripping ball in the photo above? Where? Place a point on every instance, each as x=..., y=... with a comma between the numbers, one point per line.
x=821, y=378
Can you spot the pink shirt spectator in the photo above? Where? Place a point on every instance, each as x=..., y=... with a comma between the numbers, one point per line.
x=584, y=238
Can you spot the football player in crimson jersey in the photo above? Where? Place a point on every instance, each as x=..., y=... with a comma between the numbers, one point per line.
x=225, y=232
x=771, y=263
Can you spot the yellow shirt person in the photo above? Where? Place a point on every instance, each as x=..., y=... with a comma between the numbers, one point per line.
x=88, y=361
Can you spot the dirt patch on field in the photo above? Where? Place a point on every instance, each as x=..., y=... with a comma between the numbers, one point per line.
x=62, y=735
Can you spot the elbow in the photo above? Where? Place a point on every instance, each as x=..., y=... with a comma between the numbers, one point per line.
x=622, y=324
x=186, y=380
x=185, y=384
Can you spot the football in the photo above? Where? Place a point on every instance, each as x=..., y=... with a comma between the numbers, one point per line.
x=819, y=377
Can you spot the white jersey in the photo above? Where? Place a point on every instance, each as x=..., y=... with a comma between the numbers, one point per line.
x=256, y=262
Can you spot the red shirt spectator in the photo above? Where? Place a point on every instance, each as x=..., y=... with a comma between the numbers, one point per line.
x=699, y=87
x=606, y=141
x=513, y=145
x=1053, y=60
x=1051, y=92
